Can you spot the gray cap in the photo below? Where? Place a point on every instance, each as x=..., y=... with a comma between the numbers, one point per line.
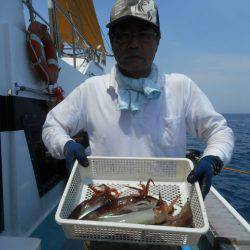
x=141, y=9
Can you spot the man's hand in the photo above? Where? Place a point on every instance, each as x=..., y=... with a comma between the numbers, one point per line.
x=206, y=168
x=74, y=150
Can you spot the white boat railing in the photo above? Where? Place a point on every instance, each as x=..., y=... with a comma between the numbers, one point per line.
x=231, y=209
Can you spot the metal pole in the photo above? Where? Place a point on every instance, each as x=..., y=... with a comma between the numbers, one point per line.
x=74, y=45
x=55, y=26
x=51, y=20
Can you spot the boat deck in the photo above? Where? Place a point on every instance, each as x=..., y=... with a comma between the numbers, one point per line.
x=52, y=236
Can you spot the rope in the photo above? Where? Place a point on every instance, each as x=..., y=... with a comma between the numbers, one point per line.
x=237, y=170
x=231, y=169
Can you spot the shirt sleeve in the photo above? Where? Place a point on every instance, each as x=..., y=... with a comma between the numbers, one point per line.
x=62, y=122
x=204, y=122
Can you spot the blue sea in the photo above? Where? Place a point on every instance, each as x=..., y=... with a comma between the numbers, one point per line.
x=234, y=187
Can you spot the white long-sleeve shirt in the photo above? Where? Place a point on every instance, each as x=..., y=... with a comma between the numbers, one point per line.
x=157, y=130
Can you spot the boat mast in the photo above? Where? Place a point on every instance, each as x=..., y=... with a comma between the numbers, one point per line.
x=74, y=44
x=54, y=25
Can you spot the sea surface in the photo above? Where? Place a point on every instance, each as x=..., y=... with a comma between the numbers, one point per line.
x=234, y=187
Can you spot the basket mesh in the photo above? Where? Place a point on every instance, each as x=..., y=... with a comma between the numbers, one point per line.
x=136, y=168
x=129, y=235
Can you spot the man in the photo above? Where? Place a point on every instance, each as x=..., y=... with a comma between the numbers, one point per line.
x=135, y=110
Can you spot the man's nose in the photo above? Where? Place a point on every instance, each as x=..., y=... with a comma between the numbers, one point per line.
x=134, y=41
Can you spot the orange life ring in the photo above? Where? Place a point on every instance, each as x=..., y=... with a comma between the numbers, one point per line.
x=42, y=52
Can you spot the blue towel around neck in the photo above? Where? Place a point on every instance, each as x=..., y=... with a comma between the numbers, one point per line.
x=134, y=93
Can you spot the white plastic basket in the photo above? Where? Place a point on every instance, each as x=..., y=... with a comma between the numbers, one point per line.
x=169, y=176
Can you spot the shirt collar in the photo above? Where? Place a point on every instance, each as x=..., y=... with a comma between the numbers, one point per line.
x=114, y=79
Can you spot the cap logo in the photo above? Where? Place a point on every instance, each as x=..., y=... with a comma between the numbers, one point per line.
x=145, y=8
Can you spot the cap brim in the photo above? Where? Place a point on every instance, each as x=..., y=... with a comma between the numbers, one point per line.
x=123, y=18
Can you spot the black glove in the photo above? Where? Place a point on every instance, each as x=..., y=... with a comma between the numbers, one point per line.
x=206, y=168
x=74, y=150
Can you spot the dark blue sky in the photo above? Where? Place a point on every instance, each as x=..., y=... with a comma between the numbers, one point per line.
x=209, y=41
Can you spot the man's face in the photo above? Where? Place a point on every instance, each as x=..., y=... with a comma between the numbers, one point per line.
x=134, y=44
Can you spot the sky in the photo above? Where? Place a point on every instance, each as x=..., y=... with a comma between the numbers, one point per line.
x=209, y=41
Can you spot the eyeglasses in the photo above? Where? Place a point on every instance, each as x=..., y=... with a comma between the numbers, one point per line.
x=142, y=36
